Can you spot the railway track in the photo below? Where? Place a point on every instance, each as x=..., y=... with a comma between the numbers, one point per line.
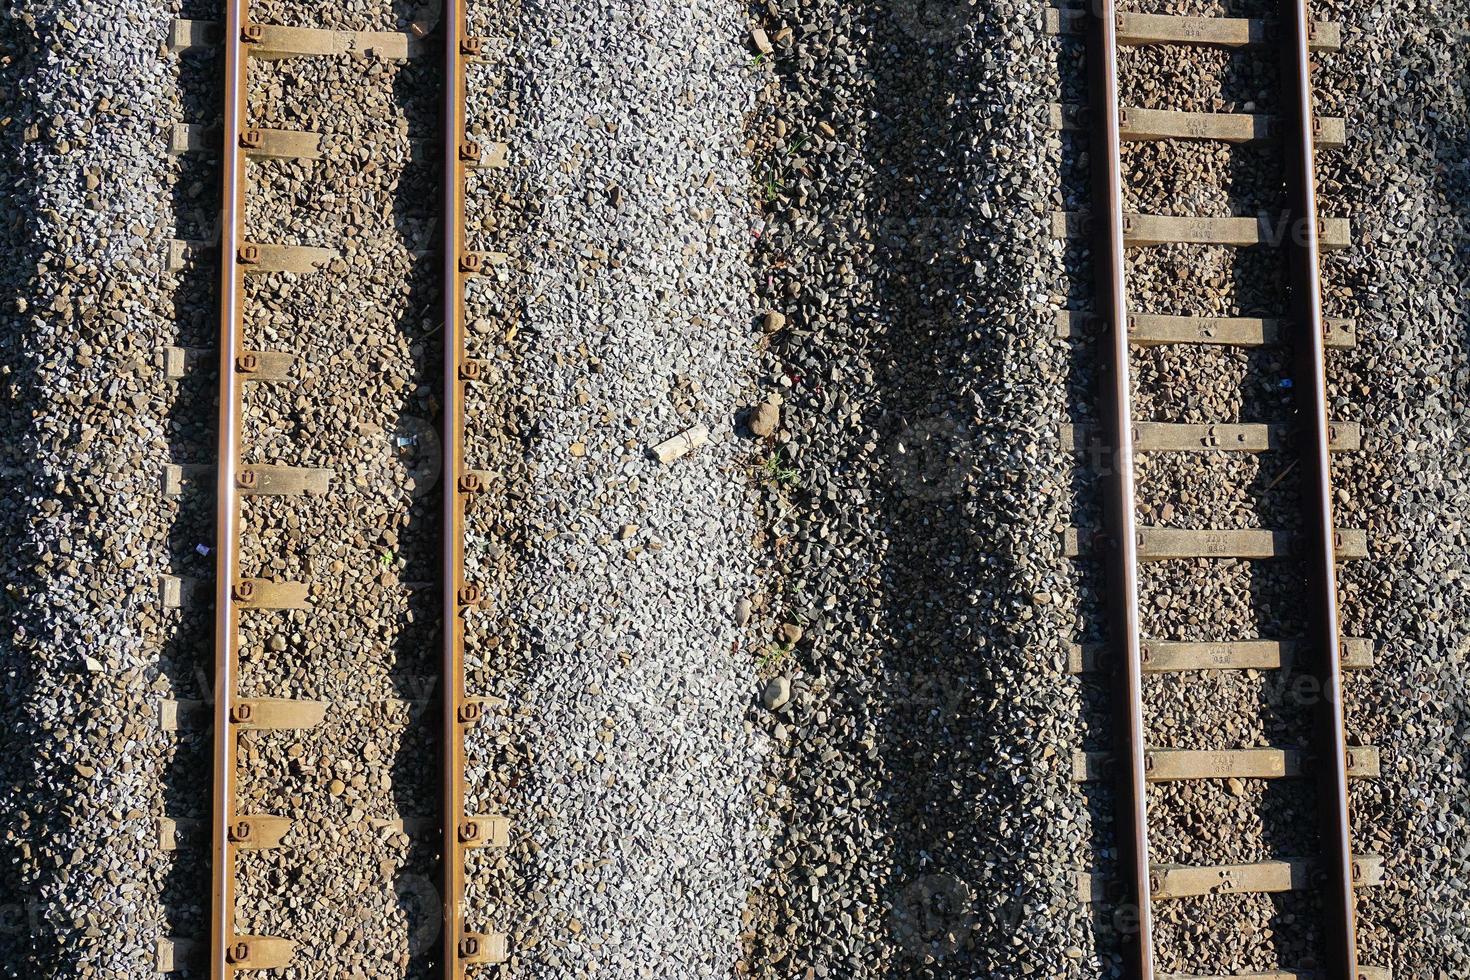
x=1120, y=327
x=238, y=592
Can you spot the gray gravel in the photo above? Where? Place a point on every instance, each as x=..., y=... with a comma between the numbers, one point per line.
x=641, y=796
x=86, y=519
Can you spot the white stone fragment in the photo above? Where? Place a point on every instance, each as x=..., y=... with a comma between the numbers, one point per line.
x=682, y=444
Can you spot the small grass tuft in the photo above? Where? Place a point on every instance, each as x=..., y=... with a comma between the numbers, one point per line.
x=778, y=473
x=774, y=655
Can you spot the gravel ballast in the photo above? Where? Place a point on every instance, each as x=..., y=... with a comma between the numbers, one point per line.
x=82, y=745
x=1404, y=181
x=641, y=795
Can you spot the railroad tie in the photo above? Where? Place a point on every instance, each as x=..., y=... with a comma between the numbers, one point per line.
x=1155, y=330
x=1147, y=125
x=1134, y=30
x=1173, y=656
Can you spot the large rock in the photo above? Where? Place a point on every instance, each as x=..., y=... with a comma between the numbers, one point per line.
x=765, y=418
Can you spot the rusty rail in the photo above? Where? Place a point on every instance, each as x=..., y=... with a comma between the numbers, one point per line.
x=1324, y=635
x=1121, y=546
x=232, y=831
x=223, y=953
x=455, y=591
x=459, y=947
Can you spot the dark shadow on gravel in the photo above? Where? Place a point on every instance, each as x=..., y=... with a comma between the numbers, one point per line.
x=414, y=652
x=1452, y=187
x=951, y=741
x=28, y=813
x=904, y=277
x=186, y=662
x=1416, y=367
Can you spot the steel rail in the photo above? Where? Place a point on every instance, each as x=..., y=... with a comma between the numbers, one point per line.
x=1121, y=551
x=457, y=945
x=1324, y=639
x=227, y=501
